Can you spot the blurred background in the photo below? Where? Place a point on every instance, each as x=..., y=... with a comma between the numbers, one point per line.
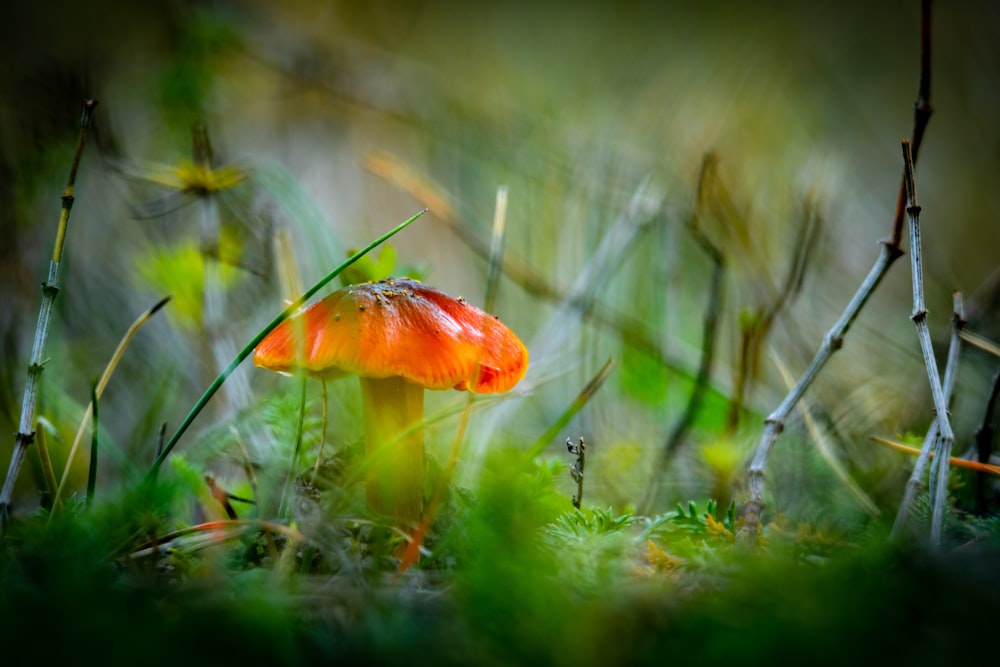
x=241, y=149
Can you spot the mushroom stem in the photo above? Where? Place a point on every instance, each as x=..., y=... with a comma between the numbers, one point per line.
x=394, y=446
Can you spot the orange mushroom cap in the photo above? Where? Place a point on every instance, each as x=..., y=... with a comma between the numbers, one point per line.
x=398, y=328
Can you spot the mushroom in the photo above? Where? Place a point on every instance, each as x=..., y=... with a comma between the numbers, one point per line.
x=399, y=337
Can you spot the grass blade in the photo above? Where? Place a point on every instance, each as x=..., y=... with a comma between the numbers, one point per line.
x=45, y=460
x=24, y=436
x=92, y=474
x=954, y=460
x=101, y=384
x=581, y=400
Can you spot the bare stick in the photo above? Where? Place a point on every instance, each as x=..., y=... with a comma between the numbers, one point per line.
x=915, y=483
x=945, y=437
x=922, y=111
x=834, y=338
x=939, y=473
x=940, y=434
x=576, y=469
x=25, y=435
x=832, y=342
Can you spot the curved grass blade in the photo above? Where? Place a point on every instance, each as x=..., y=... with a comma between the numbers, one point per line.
x=983, y=343
x=101, y=384
x=44, y=460
x=954, y=460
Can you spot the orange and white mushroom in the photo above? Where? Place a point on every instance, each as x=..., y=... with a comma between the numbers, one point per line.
x=399, y=337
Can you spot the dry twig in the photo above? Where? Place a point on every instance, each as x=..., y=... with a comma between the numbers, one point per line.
x=945, y=437
x=915, y=484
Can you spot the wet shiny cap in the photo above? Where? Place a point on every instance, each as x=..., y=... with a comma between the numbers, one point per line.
x=398, y=327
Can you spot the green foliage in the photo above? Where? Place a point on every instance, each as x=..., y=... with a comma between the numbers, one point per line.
x=579, y=524
x=180, y=270
x=643, y=379
x=511, y=575
x=368, y=269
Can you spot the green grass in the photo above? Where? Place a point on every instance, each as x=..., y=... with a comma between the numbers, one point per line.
x=513, y=576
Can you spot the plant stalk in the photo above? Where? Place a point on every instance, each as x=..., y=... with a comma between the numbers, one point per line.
x=945, y=438
x=834, y=339
x=25, y=435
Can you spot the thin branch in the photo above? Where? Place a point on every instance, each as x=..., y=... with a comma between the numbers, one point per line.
x=915, y=483
x=705, y=363
x=774, y=424
x=161, y=436
x=939, y=473
x=922, y=110
x=577, y=467
x=25, y=435
x=832, y=342
x=945, y=437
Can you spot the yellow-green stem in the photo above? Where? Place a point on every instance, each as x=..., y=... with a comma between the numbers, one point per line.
x=394, y=446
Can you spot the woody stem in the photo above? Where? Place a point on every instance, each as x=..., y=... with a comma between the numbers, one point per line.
x=394, y=446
